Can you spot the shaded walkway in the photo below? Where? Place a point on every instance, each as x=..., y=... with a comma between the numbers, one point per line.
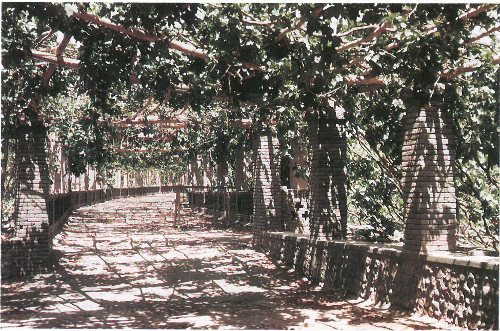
x=121, y=264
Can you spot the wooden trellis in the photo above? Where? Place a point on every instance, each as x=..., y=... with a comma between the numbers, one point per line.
x=365, y=82
x=191, y=50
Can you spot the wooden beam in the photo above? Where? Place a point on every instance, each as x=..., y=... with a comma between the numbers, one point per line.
x=452, y=73
x=59, y=60
x=466, y=16
x=298, y=26
x=70, y=63
x=366, y=81
x=265, y=23
x=243, y=123
x=477, y=11
x=177, y=45
x=343, y=34
x=142, y=150
x=455, y=72
x=165, y=123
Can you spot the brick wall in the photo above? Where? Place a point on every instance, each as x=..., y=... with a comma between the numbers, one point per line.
x=207, y=171
x=237, y=206
x=197, y=174
x=428, y=187
x=328, y=177
x=295, y=210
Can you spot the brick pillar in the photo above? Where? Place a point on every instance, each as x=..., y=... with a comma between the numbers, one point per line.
x=239, y=172
x=299, y=160
x=52, y=162
x=208, y=171
x=32, y=220
x=62, y=172
x=241, y=169
x=328, y=177
x=266, y=181
x=118, y=180
x=192, y=171
x=222, y=172
x=198, y=171
x=428, y=187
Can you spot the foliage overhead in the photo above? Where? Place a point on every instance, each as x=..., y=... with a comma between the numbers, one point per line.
x=271, y=63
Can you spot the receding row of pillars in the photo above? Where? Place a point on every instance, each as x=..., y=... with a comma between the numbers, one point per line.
x=427, y=163
x=61, y=181
x=41, y=170
x=428, y=188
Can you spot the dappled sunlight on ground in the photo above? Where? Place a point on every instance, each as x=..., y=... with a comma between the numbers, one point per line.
x=121, y=264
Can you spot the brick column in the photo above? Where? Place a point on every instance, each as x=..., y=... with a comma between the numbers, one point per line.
x=241, y=168
x=221, y=162
x=118, y=181
x=266, y=181
x=53, y=163
x=299, y=159
x=428, y=187
x=207, y=170
x=222, y=172
x=195, y=171
x=239, y=173
x=328, y=197
x=198, y=171
x=32, y=220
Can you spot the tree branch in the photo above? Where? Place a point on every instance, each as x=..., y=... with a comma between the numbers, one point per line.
x=343, y=34
x=52, y=66
x=59, y=60
x=482, y=35
x=298, y=26
x=180, y=46
x=375, y=33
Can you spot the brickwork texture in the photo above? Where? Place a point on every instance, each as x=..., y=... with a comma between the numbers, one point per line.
x=266, y=179
x=428, y=187
x=31, y=249
x=328, y=177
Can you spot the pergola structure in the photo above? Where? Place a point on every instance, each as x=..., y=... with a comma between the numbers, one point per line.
x=428, y=148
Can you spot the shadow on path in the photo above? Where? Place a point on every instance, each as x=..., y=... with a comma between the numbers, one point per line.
x=120, y=264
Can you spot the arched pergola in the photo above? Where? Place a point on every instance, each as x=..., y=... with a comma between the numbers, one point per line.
x=428, y=154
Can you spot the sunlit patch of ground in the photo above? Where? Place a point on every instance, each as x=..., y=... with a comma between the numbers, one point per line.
x=121, y=264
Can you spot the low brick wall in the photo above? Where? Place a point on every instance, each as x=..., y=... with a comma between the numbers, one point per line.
x=60, y=206
x=239, y=205
x=26, y=255
x=463, y=290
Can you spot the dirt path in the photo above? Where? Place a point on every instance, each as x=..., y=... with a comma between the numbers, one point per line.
x=120, y=264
